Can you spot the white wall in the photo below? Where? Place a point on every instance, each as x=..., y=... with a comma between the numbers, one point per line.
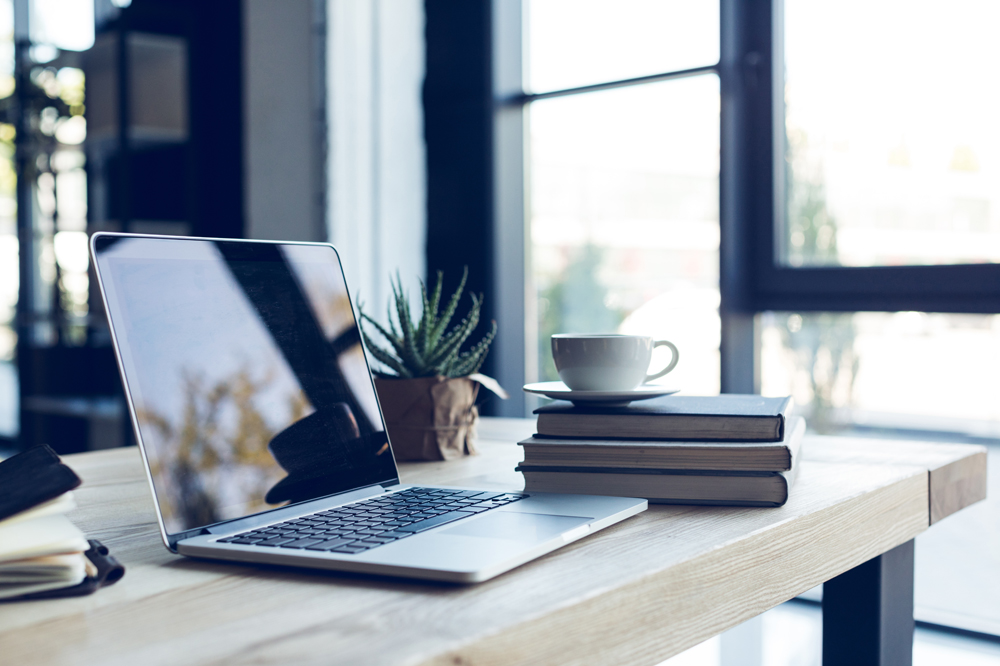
x=371, y=161
x=284, y=150
x=376, y=168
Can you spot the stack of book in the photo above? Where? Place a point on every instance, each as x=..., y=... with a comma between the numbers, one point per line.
x=737, y=450
x=42, y=553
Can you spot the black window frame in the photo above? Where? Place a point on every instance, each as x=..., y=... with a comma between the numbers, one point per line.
x=752, y=278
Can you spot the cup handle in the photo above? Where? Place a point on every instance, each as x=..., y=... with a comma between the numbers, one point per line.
x=675, y=356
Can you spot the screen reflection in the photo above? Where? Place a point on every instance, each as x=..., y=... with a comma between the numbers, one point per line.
x=246, y=371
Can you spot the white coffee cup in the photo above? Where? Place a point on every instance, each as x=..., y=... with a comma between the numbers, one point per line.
x=607, y=362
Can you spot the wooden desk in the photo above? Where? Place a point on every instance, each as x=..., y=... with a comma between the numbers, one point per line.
x=638, y=592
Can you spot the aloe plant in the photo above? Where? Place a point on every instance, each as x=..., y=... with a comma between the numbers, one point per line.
x=427, y=348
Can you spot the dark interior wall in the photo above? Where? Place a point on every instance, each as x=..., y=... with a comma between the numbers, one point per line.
x=201, y=182
x=216, y=118
x=458, y=121
x=70, y=393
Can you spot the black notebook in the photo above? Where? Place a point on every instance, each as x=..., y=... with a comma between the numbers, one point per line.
x=31, y=478
x=727, y=417
x=42, y=553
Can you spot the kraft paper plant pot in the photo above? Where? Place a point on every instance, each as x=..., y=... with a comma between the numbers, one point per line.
x=430, y=418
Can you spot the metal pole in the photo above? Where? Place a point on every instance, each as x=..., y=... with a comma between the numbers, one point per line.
x=868, y=612
x=124, y=120
x=25, y=312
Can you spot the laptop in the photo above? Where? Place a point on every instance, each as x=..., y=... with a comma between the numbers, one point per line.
x=253, y=405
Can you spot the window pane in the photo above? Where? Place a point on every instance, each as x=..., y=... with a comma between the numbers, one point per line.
x=625, y=220
x=909, y=375
x=580, y=42
x=893, y=149
x=912, y=370
x=9, y=275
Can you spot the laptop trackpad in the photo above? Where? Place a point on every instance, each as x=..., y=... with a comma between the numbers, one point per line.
x=513, y=526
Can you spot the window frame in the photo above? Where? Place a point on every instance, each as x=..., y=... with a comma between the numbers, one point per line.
x=751, y=198
x=955, y=288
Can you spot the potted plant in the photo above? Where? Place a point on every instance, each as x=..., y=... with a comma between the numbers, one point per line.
x=429, y=386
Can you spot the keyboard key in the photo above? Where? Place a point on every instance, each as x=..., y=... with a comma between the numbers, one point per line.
x=395, y=534
x=302, y=543
x=329, y=544
x=434, y=522
x=376, y=541
x=376, y=521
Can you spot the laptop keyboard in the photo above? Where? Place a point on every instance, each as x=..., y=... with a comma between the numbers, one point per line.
x=360, y=526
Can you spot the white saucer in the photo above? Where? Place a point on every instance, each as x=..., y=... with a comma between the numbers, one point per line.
x=559, y=391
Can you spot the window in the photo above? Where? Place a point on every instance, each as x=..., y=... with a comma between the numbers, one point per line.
x=624, y=222
x=897, y=163
x=9, y=278
x=622, y=169
x=850, y=253
x=44, y=283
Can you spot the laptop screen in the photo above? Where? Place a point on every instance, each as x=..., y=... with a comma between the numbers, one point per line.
x=246, y=374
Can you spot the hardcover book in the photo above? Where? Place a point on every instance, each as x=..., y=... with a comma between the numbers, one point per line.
x=540, y=452
x=766, y=489
x=727, y=417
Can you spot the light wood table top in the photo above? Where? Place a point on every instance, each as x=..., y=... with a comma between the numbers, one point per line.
x=638, y=592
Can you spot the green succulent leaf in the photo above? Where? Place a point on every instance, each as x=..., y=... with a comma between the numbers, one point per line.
x=410, y=356
x=394, y=340
x=472, y=360
x=451, y=343
x=432, y=312
x=385, y=358
x=426, y=321
x=427, y=347
x=442, y=324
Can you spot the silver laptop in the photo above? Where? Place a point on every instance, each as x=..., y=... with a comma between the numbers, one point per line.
x=254, y=408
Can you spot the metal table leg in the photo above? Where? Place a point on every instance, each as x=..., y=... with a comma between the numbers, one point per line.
x=868, y=612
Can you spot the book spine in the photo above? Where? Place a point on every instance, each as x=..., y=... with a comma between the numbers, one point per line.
x=646, y=471
x=658, y=428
